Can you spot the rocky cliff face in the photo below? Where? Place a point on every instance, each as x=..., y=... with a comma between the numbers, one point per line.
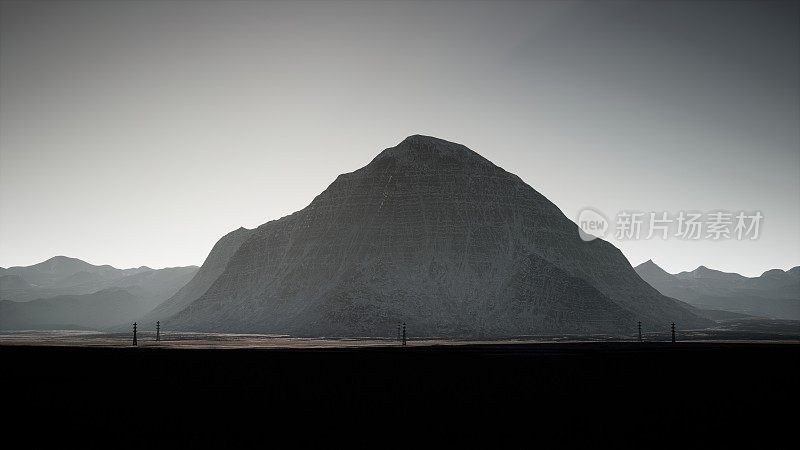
x=432, y=234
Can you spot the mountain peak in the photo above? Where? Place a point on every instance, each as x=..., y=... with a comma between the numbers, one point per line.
x=773, y=272
x=419, y=142
x=59, y=263
x=649, y=264
x=62, y=258
x=422, y=140
x=705, y=272
x=649, y=269
x=425, y=153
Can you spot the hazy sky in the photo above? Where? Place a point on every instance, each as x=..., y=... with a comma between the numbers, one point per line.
x=138, y=133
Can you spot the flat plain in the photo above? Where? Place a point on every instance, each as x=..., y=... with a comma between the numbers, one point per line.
x=378, y=393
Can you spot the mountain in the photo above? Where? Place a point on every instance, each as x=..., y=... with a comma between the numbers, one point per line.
x=775, y=294
x=13, y=283
x=61, y=275
x=650, y=271
x=70, y=276
x=434, y=235
x=67, y=292
x=98, y=310
x=63, y=271
x=211, y=269
x=154, y=286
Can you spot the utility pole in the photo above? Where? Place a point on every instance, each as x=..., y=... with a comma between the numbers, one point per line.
x=158, y=331
x=673, y=332
x=640, y=331
x=404, y=333
x=399, y=335
x=134, y=334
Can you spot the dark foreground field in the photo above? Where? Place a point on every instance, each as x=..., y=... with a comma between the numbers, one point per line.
x=630, y=394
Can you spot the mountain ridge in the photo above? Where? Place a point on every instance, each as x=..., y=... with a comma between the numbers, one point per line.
x=774, y=294
x=76, y=291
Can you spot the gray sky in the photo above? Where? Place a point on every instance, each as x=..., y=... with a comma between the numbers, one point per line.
x=138, y=133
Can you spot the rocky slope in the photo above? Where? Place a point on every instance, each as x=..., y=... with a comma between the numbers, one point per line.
x=212, y=268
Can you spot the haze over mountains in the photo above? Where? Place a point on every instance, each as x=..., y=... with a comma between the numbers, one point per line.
x=429, y=234
x=66, y=292
x=58, y=275
x=775, y=294
x=432, y=234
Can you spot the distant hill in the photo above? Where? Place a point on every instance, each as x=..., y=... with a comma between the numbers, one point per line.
x=61, y=275
x=61, y=271
x=101, y=309
x=67, y=292
x=13, y=283
x=775, y=294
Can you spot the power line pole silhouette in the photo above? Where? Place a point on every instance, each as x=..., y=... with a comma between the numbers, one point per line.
x=134, y=334
x=404, y=333
x=158, y=331
x=640, y=331
x=399, y=335
x=673, y=332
